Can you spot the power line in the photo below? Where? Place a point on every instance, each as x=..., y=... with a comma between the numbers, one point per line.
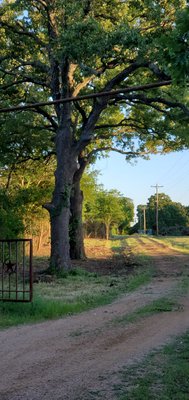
x=157, y=205
x=179, y=177
x=87, y=96
x=169, y=172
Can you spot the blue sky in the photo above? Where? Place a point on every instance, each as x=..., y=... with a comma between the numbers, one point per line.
x=170, y=171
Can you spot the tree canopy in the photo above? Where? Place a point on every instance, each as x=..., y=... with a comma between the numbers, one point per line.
x=55, y=49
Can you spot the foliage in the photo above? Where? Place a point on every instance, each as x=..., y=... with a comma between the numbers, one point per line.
x=90, y=187
x=108, y=209
x=128, y=209
x=172, y=216
x=105, y=208
x=11, y=223
x=57, y=49
x=22, y=197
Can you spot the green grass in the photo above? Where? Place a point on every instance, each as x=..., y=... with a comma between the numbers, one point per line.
x=141, y=277
x=179, y=243
x=75, y=292
x=161, y=376
x=12, y=314
x=157, y=306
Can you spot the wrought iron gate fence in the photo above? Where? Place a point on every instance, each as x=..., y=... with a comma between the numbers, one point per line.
x=16, y=270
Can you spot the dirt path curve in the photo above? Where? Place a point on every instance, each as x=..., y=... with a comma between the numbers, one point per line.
x=69, y=358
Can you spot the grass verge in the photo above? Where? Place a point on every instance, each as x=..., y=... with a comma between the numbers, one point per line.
x=75, y=292
x=161, y=376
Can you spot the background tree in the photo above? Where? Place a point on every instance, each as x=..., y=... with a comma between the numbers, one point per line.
x=30, y=184
x=109, y=209
x=11, y=224
x=172, y=216
x=128, y=210
x=55, y=49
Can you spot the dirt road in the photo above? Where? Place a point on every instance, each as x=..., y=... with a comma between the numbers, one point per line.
x=75, y=357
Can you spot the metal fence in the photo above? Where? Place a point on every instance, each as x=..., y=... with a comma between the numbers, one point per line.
x=16, y=270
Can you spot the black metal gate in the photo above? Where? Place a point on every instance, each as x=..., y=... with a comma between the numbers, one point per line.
x=16, y=270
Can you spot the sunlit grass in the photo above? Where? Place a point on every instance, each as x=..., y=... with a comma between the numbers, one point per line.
x=180, y=243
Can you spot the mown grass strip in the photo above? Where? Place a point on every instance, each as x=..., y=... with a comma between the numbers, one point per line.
x=157, y=306
x=179, y=243
x=161, y=376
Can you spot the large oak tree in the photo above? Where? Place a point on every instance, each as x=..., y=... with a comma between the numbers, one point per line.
x=55, y=49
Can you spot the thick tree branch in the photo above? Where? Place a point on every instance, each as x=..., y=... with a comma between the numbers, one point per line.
x=24, y=80
x=152, y=101
x=115, y=149
x=47, y=116
x=82, y=85
x=82, y=112
x=123, y=75
x=22, y=31
x=36, y=64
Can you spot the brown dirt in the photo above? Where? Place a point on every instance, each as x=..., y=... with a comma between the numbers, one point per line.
x=76, y=358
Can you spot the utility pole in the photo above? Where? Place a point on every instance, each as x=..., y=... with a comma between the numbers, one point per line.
x=157, y=204
x=140, y=221
x=144, y=218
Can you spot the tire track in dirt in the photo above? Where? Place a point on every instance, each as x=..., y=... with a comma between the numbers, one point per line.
x=165, y=260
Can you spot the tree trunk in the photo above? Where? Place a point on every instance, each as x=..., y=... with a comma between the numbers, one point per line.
x=107, y=226
x=76, y=226
x=59, y=208
x=60, y=248
x=77, y=250
x=40, y=237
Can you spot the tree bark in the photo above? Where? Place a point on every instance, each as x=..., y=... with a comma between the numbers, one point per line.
x=40, y=237
x=77, y=250
x=76, y=226
x=60, y=254
x=59, y=208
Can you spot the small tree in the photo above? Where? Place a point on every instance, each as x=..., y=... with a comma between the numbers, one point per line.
x=128, y=209
x=109, y=209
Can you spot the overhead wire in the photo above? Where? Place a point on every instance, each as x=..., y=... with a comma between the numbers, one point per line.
x=86, y=96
